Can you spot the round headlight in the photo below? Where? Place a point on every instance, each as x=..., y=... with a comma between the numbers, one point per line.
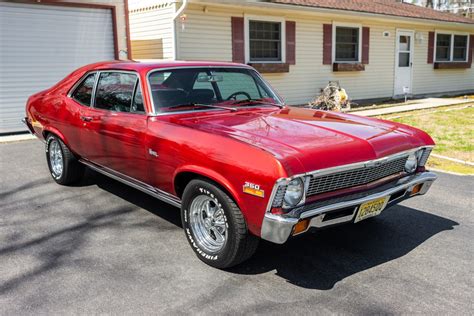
x=411, y=164
x=294, y=192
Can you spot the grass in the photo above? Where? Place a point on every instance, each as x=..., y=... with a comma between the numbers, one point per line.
x=451, y=127
x=446, y=165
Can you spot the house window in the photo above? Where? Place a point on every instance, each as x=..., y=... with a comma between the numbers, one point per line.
x=460, y=48
x=347, y=44
x=265, y=41
x=451, y=47
x=443, y=47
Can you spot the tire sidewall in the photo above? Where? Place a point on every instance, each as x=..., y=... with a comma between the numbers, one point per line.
x=194, y=189
x=49, y=140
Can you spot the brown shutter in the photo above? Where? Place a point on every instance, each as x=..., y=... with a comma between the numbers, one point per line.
x=365, y=45
x=291, y=42
x=431, y=43
x=238, y=46
x=327, y=44
x=471, y=46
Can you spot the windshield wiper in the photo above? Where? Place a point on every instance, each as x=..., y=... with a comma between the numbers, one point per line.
x=232, y=109
x=257, y=101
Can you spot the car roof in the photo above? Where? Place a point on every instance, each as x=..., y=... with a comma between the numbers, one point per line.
x=145, y=66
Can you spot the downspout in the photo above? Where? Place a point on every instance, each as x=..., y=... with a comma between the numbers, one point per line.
x=175, y=33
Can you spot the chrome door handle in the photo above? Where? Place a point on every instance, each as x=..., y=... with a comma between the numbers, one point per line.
x=86, y=118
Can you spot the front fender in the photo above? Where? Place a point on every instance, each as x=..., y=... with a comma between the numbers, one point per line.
x=214, y=176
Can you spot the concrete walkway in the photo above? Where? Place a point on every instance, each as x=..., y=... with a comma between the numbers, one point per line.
x=412, y=106
x=16, y=138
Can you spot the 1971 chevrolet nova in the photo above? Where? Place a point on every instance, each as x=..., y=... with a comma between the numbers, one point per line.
x=215, y=140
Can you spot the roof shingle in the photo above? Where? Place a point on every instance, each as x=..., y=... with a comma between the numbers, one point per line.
x=386, y=7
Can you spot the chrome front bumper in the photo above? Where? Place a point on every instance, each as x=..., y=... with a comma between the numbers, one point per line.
x=278, y=228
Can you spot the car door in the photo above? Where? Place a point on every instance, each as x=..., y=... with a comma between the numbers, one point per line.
x=78, y=118
x=119, y=121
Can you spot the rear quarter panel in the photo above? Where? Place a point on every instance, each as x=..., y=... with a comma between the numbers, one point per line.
x=48, y=110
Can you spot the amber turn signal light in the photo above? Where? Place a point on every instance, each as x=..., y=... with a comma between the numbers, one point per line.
x=301, y=227
x=416, y=189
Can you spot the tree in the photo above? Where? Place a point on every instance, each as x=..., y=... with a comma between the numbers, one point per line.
x=460, y=7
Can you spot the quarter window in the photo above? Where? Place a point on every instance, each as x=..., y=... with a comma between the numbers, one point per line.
x=83, y=92
x=451, y=47
x=347, y=44
x=115, y=91
x=265, y=40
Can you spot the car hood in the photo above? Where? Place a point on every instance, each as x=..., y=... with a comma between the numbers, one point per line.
x=306, y=140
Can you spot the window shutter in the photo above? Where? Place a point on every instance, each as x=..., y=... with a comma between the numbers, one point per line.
x=327, y=44
x=471, y=46
x=291, y=42
x=431, y=44
x=365, y=45
x=238, y=46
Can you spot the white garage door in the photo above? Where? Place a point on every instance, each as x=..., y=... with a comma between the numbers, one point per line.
x=40, y=45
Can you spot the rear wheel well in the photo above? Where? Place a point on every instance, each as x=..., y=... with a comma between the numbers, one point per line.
x=46, y=133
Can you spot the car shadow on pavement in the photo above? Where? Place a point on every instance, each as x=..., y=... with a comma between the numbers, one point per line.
x=58, y=246
x=134, y=196
x=320, y=259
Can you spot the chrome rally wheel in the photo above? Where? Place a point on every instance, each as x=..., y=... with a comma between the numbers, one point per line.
x=208, y=223
x=63, y=165
x=56, y=159
x=214, y=225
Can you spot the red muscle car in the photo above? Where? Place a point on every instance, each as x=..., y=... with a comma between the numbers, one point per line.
x=216, y=140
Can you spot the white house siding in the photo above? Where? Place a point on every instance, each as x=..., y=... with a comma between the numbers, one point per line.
x=207, y=36
x=428, y=80
x=151, y=24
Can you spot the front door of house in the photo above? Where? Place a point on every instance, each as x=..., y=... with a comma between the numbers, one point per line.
x=403, y=63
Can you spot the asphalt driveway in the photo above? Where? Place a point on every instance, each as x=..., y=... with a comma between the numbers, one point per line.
x=101, y=247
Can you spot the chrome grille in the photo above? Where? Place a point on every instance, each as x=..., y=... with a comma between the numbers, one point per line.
x=279, y=196
x=425, y=156
x=355, y=177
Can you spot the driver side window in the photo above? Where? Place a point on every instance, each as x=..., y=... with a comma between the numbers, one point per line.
x=236, y=82
x=115, y=91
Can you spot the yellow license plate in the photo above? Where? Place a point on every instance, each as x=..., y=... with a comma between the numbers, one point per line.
x=371, y=208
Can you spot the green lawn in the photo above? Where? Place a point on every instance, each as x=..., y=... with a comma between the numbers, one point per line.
x=452, y=128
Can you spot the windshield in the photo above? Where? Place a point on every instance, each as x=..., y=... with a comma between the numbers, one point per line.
x=193, y=88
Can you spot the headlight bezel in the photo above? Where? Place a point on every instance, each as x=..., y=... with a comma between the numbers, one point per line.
x=295, y=183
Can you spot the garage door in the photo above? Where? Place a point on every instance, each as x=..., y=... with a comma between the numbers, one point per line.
x=40, y=45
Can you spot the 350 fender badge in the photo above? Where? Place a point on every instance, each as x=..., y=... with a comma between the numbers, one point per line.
x=253, y=189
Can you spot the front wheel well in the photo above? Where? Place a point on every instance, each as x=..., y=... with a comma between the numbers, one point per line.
x=182, y=180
